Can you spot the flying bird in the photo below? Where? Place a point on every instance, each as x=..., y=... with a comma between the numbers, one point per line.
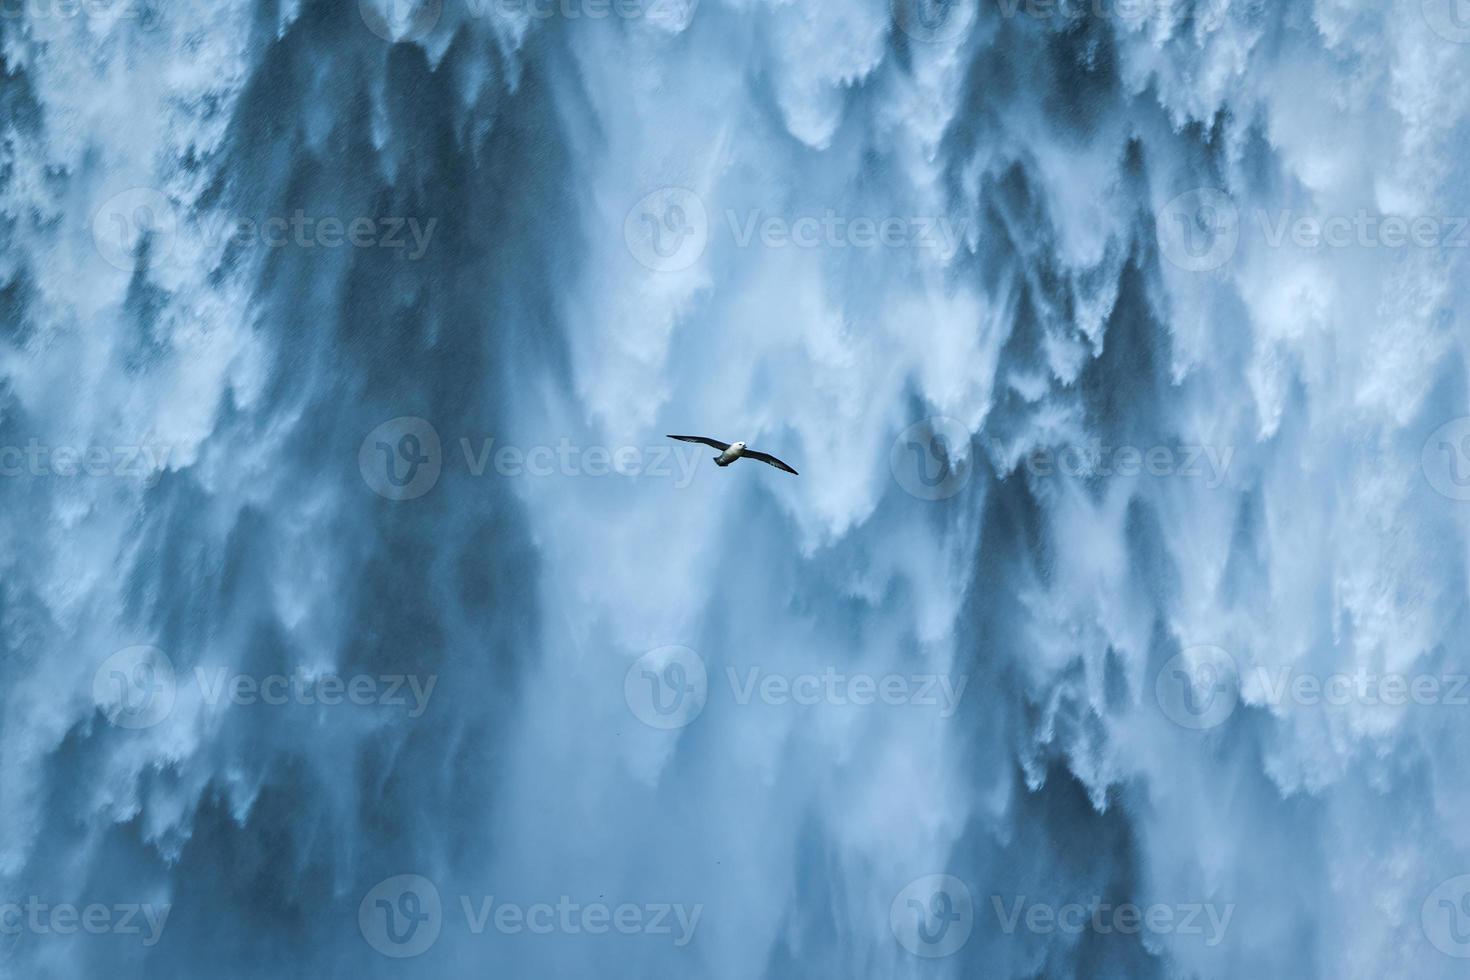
x=730, y=452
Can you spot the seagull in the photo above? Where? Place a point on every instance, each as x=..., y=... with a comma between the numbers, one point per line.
x=730, y=452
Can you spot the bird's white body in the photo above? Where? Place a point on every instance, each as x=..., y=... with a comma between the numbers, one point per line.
x=731, y=451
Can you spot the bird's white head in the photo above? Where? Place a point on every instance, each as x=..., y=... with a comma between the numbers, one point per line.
x=740, y=445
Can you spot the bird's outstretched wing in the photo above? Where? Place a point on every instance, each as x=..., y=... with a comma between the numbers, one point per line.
x=712, y=443
x=768, y=458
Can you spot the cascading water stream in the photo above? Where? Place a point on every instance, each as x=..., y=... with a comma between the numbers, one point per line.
x=360, y=620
